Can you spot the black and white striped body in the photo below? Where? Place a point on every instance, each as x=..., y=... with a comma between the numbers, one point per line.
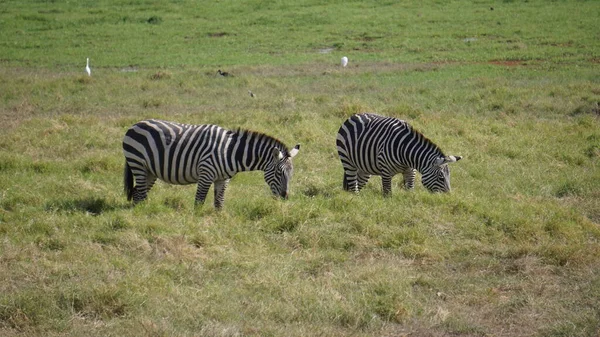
x=370, y=144
x=201, y=154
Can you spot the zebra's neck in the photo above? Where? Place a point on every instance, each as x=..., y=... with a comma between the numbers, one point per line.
x=250, y=151
x=418, y=151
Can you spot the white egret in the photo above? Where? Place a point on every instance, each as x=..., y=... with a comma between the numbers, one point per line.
x=344, y=61
x=87, y=67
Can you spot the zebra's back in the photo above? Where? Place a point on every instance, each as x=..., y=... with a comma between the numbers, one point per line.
x=171, y=151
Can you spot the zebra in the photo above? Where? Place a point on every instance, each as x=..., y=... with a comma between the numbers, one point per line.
x=185, y=154
x=370, y=144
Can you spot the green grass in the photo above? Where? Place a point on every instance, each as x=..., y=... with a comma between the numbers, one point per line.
x=513, y=250
x=191, y=34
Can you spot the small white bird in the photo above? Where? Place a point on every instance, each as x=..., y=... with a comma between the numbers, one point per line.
x=87, y=67
x=344, y=61
x=251, y=93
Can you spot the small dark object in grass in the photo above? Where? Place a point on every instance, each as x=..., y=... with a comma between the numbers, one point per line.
x=218, y=34
x=596, y=109
x=224, y=73
x=154, y=20
x=160, y=75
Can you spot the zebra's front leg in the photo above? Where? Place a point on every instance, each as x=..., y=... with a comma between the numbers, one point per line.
x=386, y=182
x=220, y=186
x=409, y=179
x=202, y=191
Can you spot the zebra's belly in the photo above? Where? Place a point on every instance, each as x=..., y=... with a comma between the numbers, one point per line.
x=370, y=170
x=177, y=177
x=378, y=169
x=178, y=182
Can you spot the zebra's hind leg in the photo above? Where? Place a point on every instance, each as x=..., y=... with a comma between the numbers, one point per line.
x=409, y=179
x=363, y=179
x=354, y=181
x=220, y=186
x=350, y=180
x=202, y=191
x=143, y=184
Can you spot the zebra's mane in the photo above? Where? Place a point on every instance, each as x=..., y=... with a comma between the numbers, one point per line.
x=412, y=129
x=425, y=139
x=262, y=137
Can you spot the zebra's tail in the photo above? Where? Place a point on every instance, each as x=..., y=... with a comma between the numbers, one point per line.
x=128, y=182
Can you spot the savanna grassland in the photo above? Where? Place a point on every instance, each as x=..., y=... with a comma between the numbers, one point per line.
x=512, y=86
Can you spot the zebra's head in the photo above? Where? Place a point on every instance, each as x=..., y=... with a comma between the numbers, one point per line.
x=278, y=173
x=437, y=177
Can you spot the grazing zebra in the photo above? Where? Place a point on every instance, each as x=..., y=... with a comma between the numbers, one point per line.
x=201, y=154
x=370, y=144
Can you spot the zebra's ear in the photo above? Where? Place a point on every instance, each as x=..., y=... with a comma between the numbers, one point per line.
x=445, y=160
x=277, y=154
x=295, y=151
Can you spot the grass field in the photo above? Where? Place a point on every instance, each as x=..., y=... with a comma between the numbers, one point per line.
x=513, y=250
